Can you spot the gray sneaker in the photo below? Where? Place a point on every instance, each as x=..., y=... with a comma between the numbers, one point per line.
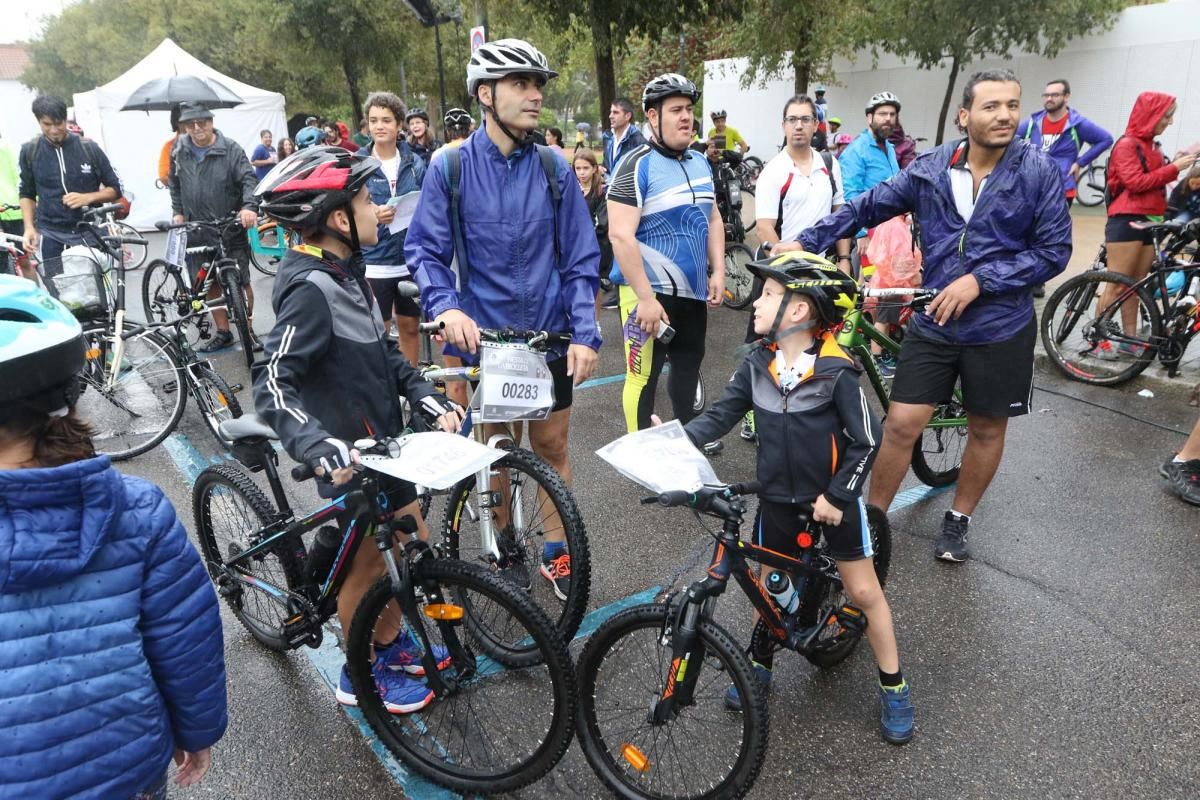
x=1184, y=477
x=951, y=545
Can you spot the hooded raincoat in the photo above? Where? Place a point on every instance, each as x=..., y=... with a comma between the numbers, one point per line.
x=1141, y=189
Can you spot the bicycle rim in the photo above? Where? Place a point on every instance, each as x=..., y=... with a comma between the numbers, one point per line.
x=705, y=751
x=229, y=510
x=739, y=282
x=466, y=739
x=1089, y=190
x=144, y=402
x=216, y=401
x=266, y=264
x=937, y=455
x=1084, y=332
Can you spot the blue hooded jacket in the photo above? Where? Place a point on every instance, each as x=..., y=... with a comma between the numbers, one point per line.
x=509, y=227
x=389, y=250
x=1067, y=149
x=1019, y=236
x=110, y=637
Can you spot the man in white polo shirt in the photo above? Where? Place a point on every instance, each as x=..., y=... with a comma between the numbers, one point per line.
x=797, y=187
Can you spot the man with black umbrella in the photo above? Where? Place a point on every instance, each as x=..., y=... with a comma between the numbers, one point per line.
x=210, y=179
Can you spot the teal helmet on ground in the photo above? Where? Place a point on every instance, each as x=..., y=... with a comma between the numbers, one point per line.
x=42, y=350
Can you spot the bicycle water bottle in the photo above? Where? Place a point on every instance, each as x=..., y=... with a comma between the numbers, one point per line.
x=780, y=587
x=320, y=556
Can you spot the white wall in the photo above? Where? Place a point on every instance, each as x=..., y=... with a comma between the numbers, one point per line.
x=17, y=124
x=1153, y=47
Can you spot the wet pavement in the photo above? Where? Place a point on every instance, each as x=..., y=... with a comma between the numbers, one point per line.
x=1053, y=664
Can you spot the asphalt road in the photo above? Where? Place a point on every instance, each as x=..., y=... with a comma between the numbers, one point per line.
x=1058, y=662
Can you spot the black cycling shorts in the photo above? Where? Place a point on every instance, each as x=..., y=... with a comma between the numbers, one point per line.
x=386, y=295
x=997, y=378
x=1119, y=229
x=564, y=384
x=778, y=524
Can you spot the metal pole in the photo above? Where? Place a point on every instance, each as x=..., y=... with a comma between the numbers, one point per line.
x=403, y=83
x=437, y=38
x=481, y=17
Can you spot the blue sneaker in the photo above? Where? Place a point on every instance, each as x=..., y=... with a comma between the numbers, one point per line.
x=404, y=654
x=401, y=694
x=733, y=701
x=896, y=713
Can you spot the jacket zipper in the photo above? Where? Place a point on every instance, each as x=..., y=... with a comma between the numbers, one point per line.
x=62, y=169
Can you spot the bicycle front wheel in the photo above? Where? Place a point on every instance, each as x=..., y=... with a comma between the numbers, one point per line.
x=163, y=292
x=134, y=248
x=134, y=399
x=534, y=506
x=230, y=511
x=1089, y=190
x=1101, y=328
x=465, y=740
x=704, y=751
x=937, y=455
x=216, y=400
x=738, y=280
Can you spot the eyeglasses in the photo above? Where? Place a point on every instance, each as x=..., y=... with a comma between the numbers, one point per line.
x=197, y=123
x=793, y=121
x=1046, y=95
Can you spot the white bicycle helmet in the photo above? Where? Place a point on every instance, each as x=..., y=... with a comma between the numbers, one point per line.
x=494, y=60
x=883, y=99
x=41, y=348
x=457, y=118
x=670, y=84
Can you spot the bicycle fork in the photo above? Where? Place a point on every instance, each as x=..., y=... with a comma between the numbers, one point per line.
x=488, y=498
x=687, y=653
x=118, y=351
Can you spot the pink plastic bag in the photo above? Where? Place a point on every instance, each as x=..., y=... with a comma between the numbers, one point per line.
x=897, y=262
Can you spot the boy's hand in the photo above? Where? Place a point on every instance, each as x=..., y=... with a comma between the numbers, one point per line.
x=192, y=766
x=459, y=330
x=332, y=456
x=655, y=420
x=826, y=513
x=441, y=412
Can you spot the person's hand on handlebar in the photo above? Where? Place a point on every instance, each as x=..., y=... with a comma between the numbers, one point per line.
x=459, y=330
x=332, y=456
x=178, y=219
x=248, y=218
x=441, y=411
x=786, y=247
x=826, y=512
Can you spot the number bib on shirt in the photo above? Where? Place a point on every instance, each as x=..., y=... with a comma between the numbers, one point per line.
x=515, y=383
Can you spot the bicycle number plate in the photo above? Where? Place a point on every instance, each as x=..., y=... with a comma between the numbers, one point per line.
x=176, y=247
x=515, y=383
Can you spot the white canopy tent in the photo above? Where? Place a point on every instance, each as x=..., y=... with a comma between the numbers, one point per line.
x=134, y=139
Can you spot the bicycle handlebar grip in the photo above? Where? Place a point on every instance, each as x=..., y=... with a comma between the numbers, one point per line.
x=748, y=487
x=163, y=225
x=430, y=327
x=302, y=472
x=673, y=498
x=408, y=289
x=100, y=211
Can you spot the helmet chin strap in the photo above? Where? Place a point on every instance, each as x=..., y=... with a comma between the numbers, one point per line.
x=496, y=118
x=776, y=335
x=352, y=241
x=660, y=144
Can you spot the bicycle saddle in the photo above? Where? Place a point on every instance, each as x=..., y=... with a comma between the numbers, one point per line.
x=247, y=426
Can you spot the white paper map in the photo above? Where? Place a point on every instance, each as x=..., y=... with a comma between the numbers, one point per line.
x=662, y=459
x=437, y=459
x=406, y=206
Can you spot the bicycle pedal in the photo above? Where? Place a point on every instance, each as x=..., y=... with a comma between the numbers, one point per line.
x=297, y=631
x=170, y=386
x=237, y=387
x=852, y=619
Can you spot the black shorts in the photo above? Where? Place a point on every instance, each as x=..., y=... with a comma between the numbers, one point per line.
x=389, y=299
x=997, y=378
x=1119, y=229
x=778, y=524
x=564, y=384
x=396, y=493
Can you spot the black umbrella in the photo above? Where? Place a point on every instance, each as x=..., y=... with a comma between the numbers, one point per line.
x=162, y=94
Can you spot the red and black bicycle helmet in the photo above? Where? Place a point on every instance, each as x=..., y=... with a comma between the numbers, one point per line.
x=301, y=191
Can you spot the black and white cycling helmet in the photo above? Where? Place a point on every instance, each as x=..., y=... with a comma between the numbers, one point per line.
x=457, y=118
x=670, y=84
x=720, y=113
x=41, y=350
x=494, y=60
x=300, y=191
x=883, y=99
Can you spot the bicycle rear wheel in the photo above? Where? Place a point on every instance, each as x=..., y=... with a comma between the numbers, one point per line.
x=937, y=455
x=1089, y=190
x=704, y=751
x=738, y=280
x=133, y=253
x=466, y=740
x=533, y=500
x=267, y=264
x=163, y=292
x=239, y=317
x=1083, y=331
x=230, y=511
x=145, y=399
x=216, y=400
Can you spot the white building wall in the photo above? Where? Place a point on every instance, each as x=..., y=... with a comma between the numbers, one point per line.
x=16, y=120
x=1153, y=47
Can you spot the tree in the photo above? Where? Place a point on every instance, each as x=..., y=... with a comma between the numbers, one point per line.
x=932, y=31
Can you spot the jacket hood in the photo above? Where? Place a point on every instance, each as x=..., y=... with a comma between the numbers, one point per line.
x=1148, y=109
x=53, y=521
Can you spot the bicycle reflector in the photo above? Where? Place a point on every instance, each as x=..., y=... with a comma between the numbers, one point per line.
x=443, y=611
x=804, y=540
x=635, y=757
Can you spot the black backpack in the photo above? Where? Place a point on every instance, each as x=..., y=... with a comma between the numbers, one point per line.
x=452, y=166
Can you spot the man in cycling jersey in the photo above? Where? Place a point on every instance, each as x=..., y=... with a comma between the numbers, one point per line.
x=727, y=138
x=666, y=232
x=532, y=262
x=993, y=226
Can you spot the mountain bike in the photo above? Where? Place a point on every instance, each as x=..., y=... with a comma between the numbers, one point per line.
x=134, y=246
x=505, y=656
x=652, y=679
x=937, y=455
x=748, y=170
x=168, y=293
x=1089, y=338
x=500, y=516
x=268, y=245
x=1089, y=188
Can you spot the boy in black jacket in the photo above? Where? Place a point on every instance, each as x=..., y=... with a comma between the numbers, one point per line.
x=331, y=374
x=817, y=440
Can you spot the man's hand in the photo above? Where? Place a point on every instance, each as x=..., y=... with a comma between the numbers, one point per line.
x=826, y=512
x=716, y=287
x=786, y=247
x=192, y=766
x=178, y=219
x=248, y=218
x=655, y=420
x=649, y=312
x=29, y=240
x=581, y=362
x=76, y=199
x=954, y=299
x=1073, y=172
x=459, y=330
x=385, y=214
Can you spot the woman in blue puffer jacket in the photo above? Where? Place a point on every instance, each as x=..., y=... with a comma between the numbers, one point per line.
x=110, y=638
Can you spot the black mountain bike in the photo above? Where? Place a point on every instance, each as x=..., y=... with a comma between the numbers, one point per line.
x=168, y=293
x=652, y=679
x=1104, y=328
x=738, y=281
x=506, y=658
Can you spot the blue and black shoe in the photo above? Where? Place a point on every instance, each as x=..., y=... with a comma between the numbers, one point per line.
x=400, y=693
x=896, y=713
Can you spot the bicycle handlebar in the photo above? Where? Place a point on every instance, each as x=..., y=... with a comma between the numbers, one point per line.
x=219, y=224
x=532, y=338
x=915, y=293
x=709, y=499
x=100, y=211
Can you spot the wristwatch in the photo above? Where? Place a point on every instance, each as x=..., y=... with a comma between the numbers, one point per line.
x=843, y=258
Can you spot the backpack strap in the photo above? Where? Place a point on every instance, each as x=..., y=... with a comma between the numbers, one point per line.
x=1112, y=190
x=827, y=157
x=550, y=167
x=452, y=166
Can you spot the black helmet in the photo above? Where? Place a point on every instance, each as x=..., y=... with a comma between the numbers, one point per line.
x=670, y=84
x=417, y=112
x=300, y=191
x=833, y=292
